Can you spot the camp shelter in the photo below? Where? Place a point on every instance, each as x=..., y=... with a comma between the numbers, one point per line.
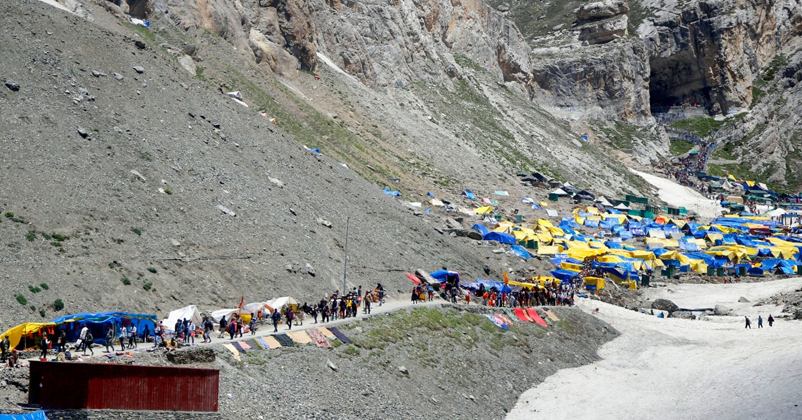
x=594, y=283
x=559, y=192
x=278, y=304
x=219, y=315
x=469, y=194
x=188, y=312
x=446, y=276
x=504, y=238
x=255, y=307
x=491, y=284
x=97, y=323
x=483, y=210
x=27, y=335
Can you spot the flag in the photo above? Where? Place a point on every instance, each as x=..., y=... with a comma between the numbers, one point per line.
x=506, y=279
x=241, y=301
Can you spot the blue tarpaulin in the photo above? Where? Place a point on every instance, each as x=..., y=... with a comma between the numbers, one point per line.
x=36, y=415
x=520, y=251
x=97, y=323
x=393, y=193
x=504, y=238
x=443, y=275
x=469, y=194
x=481, y=229
x=564, y=275
x=489, y=284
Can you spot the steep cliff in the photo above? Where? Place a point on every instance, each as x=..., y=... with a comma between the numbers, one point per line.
x=710, y=52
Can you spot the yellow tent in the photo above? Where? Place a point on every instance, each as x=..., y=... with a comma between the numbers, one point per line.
x=483, y=210
x=16, y=334
x=544, y=223
x=548, y=250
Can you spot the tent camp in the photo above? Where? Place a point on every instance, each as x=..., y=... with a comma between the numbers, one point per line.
x=279, y=303
x=97, y=323
x=188, y=312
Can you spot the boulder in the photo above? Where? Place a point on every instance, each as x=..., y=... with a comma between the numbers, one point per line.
x=452, y=223
x=665, y=305
x=722, y=310
x=604, y=31
x=601, y=10
x=12, y=85
x=189, y=355
x=683, y=315
x=743, y=300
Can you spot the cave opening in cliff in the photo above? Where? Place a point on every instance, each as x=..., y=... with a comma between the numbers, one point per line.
x=677, y=81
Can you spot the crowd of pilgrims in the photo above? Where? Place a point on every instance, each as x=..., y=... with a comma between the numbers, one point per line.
x=551, y=293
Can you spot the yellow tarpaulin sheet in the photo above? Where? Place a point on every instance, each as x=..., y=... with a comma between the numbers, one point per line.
x=548, y=250
x=436, y=202
x=483, y=210
x=595, y=281
x=544, y=223
x=25, y=330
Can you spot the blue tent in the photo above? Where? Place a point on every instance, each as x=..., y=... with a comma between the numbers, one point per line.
x=489, y=284
x=564, y=275
x=97, y=323
x=520, y=251
x=504, y=238
x=469, y=194
x=613, y=245
x=443, y=275
x=393, y=193
x=481, y=228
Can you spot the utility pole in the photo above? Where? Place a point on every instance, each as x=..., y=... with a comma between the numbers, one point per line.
x=345, y=270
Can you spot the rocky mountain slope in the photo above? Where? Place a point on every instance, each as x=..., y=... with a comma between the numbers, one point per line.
x=131, y=176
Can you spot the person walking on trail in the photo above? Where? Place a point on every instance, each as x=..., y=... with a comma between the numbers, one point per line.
x=4, y=345
x=89, y=340
x=83, y=338
x=132, y=336
x=771, y=320
x=122, y=336
x=759, y=321
x=748, y=323
x=109, y=339
x=45, y=344
x=366, y=302
x=290, y=316
x=223, y=325
x=208, y=327
x=252, y=325
x=232, y=329
x=276, y=317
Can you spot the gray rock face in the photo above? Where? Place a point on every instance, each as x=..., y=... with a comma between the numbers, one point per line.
x=710, y=55
x=601, y=10
x=610, y=81
x=604, y=31
x=665, y=305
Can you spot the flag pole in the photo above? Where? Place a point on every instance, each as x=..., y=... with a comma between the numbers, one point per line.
x=345, y=269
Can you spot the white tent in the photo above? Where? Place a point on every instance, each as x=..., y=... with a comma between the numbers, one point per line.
x=621, y=206
x=220, y=313
x=604, y=202
x=254, y=308
x=188, y=312
x=559, y=191
x=776, y=212
x=280, y=302
x=552, y=213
